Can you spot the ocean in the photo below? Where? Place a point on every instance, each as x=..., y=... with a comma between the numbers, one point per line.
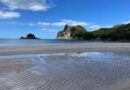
x=18, y=42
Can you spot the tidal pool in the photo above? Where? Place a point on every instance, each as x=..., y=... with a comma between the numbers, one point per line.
x=66, y=71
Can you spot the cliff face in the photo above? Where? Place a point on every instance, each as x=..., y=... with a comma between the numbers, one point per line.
x=65, y=34
x=71, y=33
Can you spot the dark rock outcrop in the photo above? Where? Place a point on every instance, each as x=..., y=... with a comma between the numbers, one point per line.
x=29, y=36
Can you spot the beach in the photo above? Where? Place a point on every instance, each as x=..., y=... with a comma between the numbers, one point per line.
x=102, y=66
x=64, y=45
x=60, y=48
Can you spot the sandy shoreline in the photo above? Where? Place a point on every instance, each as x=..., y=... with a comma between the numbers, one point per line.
x=77, y=71
x=60, y=48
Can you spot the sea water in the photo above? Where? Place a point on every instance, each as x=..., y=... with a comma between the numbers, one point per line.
x=20, y=42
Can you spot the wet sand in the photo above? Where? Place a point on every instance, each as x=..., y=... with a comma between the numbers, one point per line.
x=106, y=66
x=66, y=71
x=59, y=48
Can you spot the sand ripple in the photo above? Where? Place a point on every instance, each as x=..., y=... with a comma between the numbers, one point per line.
x=70, y=71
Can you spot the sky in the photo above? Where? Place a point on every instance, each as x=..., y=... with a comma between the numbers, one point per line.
x=45, y=18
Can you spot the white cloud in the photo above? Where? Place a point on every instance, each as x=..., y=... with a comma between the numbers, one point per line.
x=61, y=23
x=126, y=22
x=95, y=27
x=89, y=26
x=70, y=22
x=43, y=23
x=34, y=5
x=48, y=30
x=9, y=14
x=40, y=24
x=38, y=8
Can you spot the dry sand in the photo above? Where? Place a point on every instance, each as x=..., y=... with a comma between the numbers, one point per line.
x=55, y=48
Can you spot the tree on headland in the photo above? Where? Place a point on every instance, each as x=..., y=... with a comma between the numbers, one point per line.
x=118, y=32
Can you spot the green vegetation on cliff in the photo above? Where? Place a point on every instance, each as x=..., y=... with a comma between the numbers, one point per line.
x=72, y=32
x=116, y=33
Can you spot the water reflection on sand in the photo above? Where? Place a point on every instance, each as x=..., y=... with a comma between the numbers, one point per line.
x=64, y=71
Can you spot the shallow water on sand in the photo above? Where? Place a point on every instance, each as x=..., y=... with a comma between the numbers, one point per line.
x=64, y=71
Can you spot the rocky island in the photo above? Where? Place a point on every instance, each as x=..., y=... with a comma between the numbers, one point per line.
x=29, y=36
